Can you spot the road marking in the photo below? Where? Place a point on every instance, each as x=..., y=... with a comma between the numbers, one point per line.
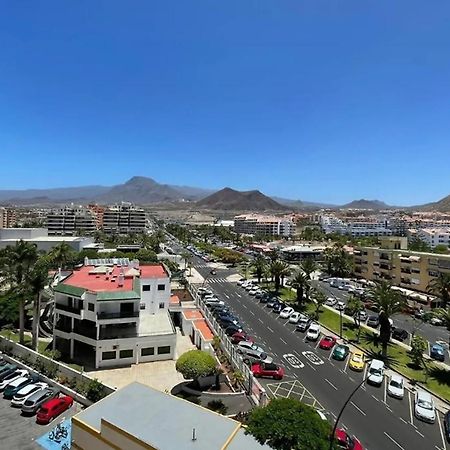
x=227, y=296
x=331, y=384
x=418, y=432
x=243, y=304
x=385, y=389
x=293, y=361
x=260, y=320
x=410, y=408
x=252, y=313
x=287, y=321
x=442, y=433
x=359, y=409
x=316, y=360
x=283, y=341
x=239, y=295
x=270, y=329
x=346, y=364
x=373, y=396
x=403, y=420
x=394, y=441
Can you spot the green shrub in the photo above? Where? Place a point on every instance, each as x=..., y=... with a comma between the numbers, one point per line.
x=95, y=390
x=196, y=363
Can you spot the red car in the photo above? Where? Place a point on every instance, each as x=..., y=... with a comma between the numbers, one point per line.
x=53, y=408
x=346, y=441
x=327, y=342
x=240, y=336
x=267, y=370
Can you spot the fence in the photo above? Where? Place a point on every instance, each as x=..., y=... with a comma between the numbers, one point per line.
x=252, y=386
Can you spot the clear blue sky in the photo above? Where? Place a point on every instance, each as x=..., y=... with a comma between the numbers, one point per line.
x=317, y=100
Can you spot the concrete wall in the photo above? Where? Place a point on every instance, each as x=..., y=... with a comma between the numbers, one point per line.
x=22, y=233
x=153, y=298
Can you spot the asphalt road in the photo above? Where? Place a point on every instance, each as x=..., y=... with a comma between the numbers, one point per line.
x=378, y=421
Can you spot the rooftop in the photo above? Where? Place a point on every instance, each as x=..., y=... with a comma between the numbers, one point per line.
x=204, y=329
x=153, y=271
x=192, y=314
x=150, y=324
x=164, y=421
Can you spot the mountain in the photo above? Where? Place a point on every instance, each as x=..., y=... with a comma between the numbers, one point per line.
x=229, y=199
x=365, y=204
x=442, y=205
x=193, y=193
x=302, y=204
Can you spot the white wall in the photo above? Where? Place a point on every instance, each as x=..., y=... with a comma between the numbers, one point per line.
x=153, y=298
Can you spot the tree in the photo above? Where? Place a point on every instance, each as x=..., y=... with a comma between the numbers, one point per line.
x=418, y=347
x=444, y=315
x=287, y=424
x=354, y=307
x=259, y=264
x=440, y=287
x=279, y=270
x=187, y=256
x=338, y=261
x=441, y=249
x=61, y=254
x=146, y=256
x=196, y=363
x=300, y=283
x=309, y=266
x=389, y=302
x=319, y=298
x=417, y=245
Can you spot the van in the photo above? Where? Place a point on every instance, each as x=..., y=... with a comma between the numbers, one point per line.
x=375, y=374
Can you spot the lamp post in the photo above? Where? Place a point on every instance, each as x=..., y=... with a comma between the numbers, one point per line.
x=340, y=323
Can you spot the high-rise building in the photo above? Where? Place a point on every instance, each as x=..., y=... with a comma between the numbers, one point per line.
x=8, y=217
x=70, y=220
x=264, y=225
x=124, y=219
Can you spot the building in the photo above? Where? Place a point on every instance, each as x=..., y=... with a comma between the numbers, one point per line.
x=70, y=220
x=297, y=253
x=264, y=225
x=40, y=237
x=356, y=226
x=434, y=236
x=393, y=262
x=140, y=417
x=8, y=217
x=114, y=312
x=98, y=212
x=124, y=219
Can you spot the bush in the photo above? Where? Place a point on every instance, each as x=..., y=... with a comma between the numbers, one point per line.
x=95, y=390
x=217, y=406
x=196, y=363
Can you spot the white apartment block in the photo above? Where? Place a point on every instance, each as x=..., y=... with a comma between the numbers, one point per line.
x=266, y=225
x=434, y=236
x=124, y=219
x=355, y=226
x=113, y=312
x=69, y=220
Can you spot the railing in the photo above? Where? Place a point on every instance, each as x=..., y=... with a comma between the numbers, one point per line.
x=71, y=309
x=85, y=331
x=117, y=333
x=117, y=315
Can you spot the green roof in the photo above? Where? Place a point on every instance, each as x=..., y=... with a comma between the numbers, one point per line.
x=118, y=295
x=71, y=290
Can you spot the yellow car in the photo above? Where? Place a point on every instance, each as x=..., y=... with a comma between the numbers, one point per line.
x=357, y=361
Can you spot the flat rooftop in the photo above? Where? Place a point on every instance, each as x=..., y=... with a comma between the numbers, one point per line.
x=166, y=422
x=150, y=324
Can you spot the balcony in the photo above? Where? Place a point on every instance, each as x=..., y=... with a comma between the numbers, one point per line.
x=117, y=315
x=86, y=331
x=384, y=256
x=71, y=309
x=118, y=333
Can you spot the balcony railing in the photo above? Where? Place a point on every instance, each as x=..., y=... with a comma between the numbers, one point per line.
x=89, y=332
x=70, y=309
x=117, y=315
x=117, y=333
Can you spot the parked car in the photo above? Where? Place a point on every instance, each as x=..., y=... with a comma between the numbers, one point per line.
x=253, y=357
x=424, y=407
x=278, y=307
x=340, y=352
x=375, y=373
x=447, y=425
x=241, y=281
x=240, y=336
x=327, y=342
x=313, y=332
x=15, y=386
x=20, y=397
x=233, y=329
x=286, y=312
x=259, y=294
x=436, y=321
x=271, y=302
x=362, y=316
x=396, y=386
x=357, y=361
x=340, y=306
x=304, y=323
x=248, y=346
x=347, y=442
x=269, y=370
x=399, y=333
x=437, y=352
x=34, y=402
x=6, y=370
x=373, y=321
x=11, y=377
x=225, y=320
x=264, y=298
x=331, y=301
x=253, y=291
x=295, y=317
x=53, y=408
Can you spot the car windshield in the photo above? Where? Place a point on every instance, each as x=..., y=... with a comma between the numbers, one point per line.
x=28, y=403
x=43, y=411
x=357, y=358
x=375, y=371
x=396, y=384
x=425, y=404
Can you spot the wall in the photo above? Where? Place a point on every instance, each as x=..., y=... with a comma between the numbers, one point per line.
x=153, y=297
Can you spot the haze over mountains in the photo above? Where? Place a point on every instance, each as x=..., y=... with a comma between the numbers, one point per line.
x=144, y=190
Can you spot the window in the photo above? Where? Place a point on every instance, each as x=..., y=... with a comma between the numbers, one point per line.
x=91, y=306
x=164, y=350
x=126, y=353
x=161, y=287
x=148, y=351
x=161, y=305
x=80, y=304
x=108, y=355
x=146, y=287
x=142, y=306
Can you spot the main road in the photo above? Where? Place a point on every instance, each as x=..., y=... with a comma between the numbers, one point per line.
x=379, y=421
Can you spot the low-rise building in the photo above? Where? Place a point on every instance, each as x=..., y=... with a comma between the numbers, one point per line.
x=140, y=417
x=114, y=312
x=264, y=225
x=297, y=253
x=434, y=236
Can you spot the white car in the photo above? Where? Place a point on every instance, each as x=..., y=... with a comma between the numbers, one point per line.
x=424, y=407
x=330, y=301
x=244, y=346
x=246, y=283
x=295, y=317
x=340, y=306
x=249, y=287
x=20, y=397
x=396, y=386
x=253, y=291
x=362, y=316
x=313, y=332
x=241, y=282
x=375, y=374
x=436, y=321
x=12, y=377
x=286, y=312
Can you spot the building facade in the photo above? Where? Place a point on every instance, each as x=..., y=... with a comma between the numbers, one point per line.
x=114, y=312
x=434, y=236
x=124, y=219
x=70, y=220
x=406, y=269
x=264, y=225
x=8, y=218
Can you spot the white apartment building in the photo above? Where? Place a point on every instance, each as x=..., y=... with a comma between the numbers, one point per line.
x=355, y=226
x=124, y=219
x=69, y=220
x=114, y=312
x=434, y=236
x=265, y=225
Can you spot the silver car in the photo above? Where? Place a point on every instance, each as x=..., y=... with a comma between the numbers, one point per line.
x=33, y=403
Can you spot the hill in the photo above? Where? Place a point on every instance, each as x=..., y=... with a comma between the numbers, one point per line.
x=229, y=199
x=442, y=205
x=365, y=204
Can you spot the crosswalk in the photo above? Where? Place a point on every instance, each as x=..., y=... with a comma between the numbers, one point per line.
x=216, y=280
x=201, y=266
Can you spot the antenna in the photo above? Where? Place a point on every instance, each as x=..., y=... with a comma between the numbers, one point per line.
x=194, y=434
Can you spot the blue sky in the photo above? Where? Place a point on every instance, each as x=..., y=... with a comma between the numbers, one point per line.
x=316, y=100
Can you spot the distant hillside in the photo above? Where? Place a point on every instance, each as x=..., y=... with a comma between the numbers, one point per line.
x=302, y=204
x=229, y=199
x=442, y=205
x=365, y=204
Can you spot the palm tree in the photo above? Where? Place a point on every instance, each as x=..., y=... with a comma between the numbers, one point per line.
x=389, y=302
x=187, y=256
x=16, y=264
x=354, y=307
x=440, y=287
x=61, y=255
x=309, y=266
x=300, y=283
x=338, y=261
x=259, y=264
x=279, y=270
x=319, y=298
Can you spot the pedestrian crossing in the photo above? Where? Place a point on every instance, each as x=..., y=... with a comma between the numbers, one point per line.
x=201, y=266
x=216, y=280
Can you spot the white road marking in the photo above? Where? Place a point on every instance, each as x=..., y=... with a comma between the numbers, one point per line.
x=313, y=358
x=346, y=364
x=403, y=420
x=226, y=295
x=239, y=295
x=244, y=305
x=260, y=320
x=270, y=329
x=283, y=341
x=331, y=384
x=418, y=432
x=385, y=391
x=442, y=433
x=373, y=396
x=394, y=441
x=252, y=313
x=410, y=408
x=359, y=409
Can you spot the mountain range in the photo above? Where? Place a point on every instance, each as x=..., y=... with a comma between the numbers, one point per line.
x=143, y=190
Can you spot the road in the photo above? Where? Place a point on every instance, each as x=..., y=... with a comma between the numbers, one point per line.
x=379, y=421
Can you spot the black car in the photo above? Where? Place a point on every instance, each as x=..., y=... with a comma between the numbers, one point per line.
x=373, y=321
x=264, y=299
x=227, y=320
x=271, y=302
x=278, y=307
x=447, y=426
x=399, y=333
x=232, y=329
x=221, y=312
